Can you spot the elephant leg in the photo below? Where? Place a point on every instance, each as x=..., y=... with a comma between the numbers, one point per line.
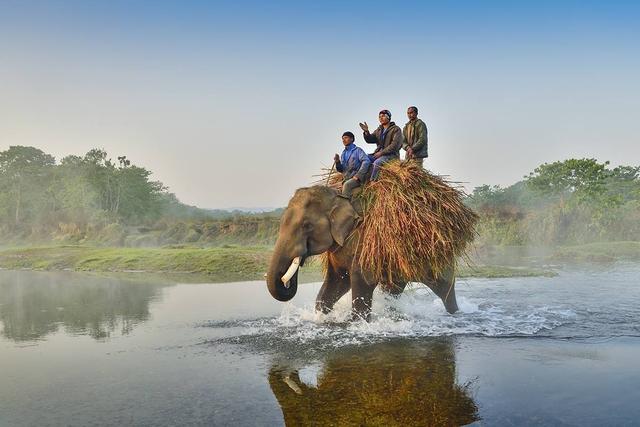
x=361, y=296
x=336, y=284
x=445, y=287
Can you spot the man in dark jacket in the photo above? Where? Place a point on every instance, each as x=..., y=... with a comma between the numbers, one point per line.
x=415, y=137
x=353, y=163
x=388, y=138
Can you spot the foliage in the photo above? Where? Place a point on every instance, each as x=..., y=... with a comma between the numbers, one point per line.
x=220, y=264
x=565, y=202
x=91, y=198
x=23, y=170
x=581, y=178
x=81, y=194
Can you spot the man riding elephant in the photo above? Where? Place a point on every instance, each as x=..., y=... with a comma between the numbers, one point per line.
x=388, y=138
x=318, y=220
x=353, y=163
x=415, y=137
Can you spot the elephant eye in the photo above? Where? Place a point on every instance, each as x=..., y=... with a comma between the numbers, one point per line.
x=307, y=226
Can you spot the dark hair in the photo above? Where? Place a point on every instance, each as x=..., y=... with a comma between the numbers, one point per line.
x=387, y=112
x=347, y=133
x=415, y=108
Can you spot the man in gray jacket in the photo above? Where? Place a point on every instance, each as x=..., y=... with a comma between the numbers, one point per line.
x=415, y=137
x=388, y=138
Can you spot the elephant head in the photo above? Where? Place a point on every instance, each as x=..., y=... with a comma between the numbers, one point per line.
x=315, y=220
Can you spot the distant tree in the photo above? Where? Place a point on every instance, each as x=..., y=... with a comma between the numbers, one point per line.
x=79, y=200
x=583, y=178
x=23, y=170
x=138, y=198
x=624, y=182
x=80, y=196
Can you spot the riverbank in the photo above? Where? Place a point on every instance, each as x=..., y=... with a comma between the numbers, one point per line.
x=602, y=252
x=216, y=264
x=575, y=255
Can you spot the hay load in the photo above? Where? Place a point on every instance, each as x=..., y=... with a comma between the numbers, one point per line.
x=411, y=215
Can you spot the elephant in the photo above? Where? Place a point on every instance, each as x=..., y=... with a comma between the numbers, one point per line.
x=319, y=219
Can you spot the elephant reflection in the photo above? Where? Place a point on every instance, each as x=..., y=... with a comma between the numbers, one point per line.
x=384, y=384
x=35, y=304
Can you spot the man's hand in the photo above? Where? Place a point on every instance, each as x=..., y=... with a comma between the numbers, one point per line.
x=377, y=155
x=336, y=158
x=409, y=153
x=364, y=126
x=356, y=178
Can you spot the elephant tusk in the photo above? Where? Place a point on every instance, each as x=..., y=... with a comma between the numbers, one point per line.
x=292, y=385
x=291, y=271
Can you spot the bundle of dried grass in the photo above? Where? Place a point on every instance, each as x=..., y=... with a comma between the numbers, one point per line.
x=329, y=177
x=410, y=216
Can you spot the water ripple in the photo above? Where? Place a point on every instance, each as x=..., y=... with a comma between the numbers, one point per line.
x=415, y=314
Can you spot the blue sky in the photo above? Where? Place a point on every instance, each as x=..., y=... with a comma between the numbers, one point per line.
x=239, y=103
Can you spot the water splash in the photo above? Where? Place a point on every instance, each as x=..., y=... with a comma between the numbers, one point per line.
x=416, y=313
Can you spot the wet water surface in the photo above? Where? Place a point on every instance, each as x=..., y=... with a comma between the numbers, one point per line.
x=87, y=350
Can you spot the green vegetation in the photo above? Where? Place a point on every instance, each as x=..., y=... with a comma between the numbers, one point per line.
x=91, y=213
x=226, y=263
x=92, y=199
x=501, y=271
x=598, y=252
x=572, y=202
x=220, y=264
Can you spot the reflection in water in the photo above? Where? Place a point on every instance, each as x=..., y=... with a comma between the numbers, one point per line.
x=34, y=304
x=398, y=383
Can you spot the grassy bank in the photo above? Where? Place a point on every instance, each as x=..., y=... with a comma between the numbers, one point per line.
x=502, y=271
x=602, y=252
x=219, y=264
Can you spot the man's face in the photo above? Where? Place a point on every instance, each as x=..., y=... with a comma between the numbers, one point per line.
x=412, y=114
x=384, y=119
x=346, y=140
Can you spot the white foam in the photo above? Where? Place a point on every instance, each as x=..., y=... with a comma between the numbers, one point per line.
x=416, y=313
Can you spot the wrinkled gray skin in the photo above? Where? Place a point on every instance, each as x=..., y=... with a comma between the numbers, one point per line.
x=317, y=220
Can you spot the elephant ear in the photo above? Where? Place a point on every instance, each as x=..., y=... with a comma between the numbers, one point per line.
x=342, y=218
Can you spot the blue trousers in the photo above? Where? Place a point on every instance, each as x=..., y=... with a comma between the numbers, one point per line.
x=377, y=163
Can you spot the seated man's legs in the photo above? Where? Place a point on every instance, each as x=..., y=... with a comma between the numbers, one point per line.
x=348, y=186
x=377, y=163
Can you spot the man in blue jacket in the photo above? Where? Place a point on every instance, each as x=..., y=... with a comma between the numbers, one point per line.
x=353, y=163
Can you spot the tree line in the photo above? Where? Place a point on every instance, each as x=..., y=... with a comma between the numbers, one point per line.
x=565, y=202
x=38, y=194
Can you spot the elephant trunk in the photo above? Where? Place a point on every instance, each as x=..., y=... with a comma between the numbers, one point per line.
x=282, y=276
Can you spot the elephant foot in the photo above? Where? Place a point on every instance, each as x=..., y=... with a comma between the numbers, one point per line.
x=444, y=287
x=447, y=294
x=361, y=297
x=336, y=284
x=356, y=316
x=323, y=308
x=361, y=309
x=451, y=305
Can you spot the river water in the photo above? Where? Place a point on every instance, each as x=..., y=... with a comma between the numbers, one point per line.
x=78, y=349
